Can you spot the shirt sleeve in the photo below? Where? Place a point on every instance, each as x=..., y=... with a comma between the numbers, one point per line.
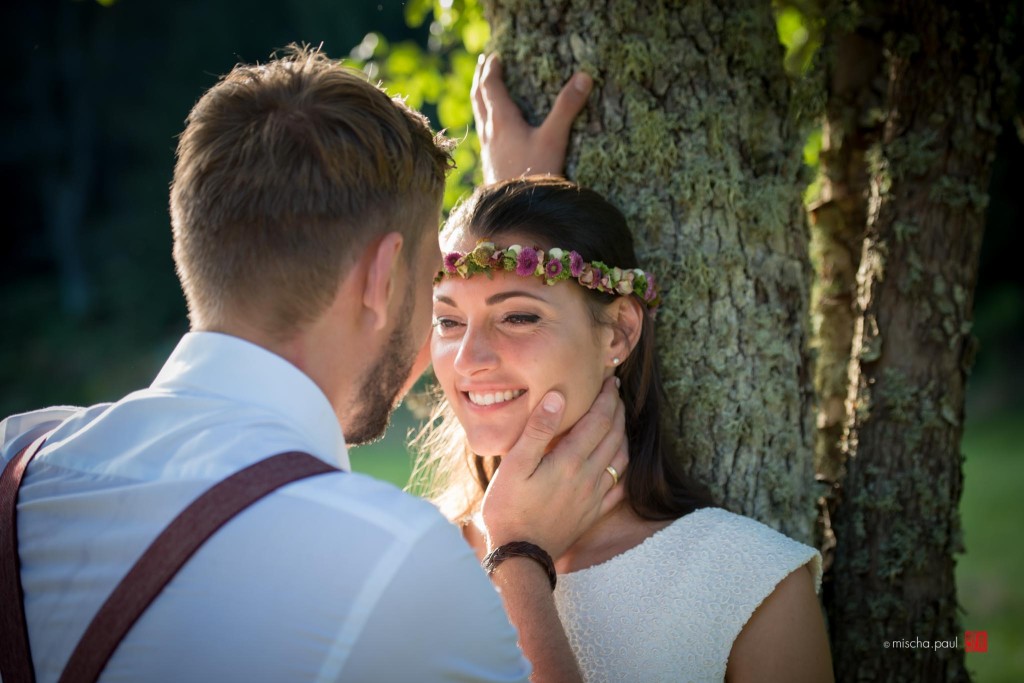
x=440, y=619
x=18, y=431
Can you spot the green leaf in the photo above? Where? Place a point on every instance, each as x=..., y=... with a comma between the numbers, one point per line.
x=416, y=11
x=453, y=111
x=404, y=60
x=475, y=35
x=791, y=28
x=812, y=148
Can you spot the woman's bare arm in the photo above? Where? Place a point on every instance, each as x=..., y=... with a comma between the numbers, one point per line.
x=785, y=639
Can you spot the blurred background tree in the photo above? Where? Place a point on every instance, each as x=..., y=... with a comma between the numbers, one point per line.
x=96, y=95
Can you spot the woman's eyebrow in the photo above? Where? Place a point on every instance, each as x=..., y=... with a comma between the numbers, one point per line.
x=502, y=296
x=494, y=298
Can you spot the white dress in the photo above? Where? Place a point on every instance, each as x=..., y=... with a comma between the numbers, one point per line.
x=670, y=608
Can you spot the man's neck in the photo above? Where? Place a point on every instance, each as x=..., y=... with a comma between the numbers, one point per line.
x=315, y=351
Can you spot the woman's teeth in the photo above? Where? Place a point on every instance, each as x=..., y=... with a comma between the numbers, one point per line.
x=492, y=398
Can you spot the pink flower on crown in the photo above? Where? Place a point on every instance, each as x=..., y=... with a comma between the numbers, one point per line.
x=527, y=262
x=651, y=288
x=586, y=275
x=624, y=287
x=449, y=261
x=575, y=264
x=553, y=268
x=606, y=282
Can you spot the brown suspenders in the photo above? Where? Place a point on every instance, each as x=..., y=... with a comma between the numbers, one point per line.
x=147, y=577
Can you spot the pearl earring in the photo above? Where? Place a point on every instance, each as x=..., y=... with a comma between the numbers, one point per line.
x=615, y=361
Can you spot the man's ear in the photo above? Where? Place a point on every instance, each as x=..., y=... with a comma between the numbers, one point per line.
x=627, y=324
x=383, y=261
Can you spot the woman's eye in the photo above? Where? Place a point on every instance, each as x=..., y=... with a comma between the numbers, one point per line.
x=522, y=318
x=445, y=323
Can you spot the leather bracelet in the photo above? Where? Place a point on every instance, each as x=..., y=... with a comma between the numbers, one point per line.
x=520, y=549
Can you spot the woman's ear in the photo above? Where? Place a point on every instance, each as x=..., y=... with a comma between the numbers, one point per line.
x=627, y=324
x=383, y=261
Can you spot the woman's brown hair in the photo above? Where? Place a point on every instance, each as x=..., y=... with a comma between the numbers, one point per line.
x=557, y=213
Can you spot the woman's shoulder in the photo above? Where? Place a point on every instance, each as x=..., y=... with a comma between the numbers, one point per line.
x=741, y=545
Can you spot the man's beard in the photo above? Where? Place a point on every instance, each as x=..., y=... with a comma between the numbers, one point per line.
x=378, y=394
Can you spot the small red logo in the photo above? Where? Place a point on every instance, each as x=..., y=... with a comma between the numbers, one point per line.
x=976, y=641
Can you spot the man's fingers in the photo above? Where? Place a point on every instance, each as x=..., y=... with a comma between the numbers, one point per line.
x=615, y=492
x=568, y=105
x=540, y=429
x=593, y=428
x=615, y=495
x=606, y=452
x=621, y=461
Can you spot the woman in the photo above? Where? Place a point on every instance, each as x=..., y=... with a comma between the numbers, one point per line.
x=540, y=290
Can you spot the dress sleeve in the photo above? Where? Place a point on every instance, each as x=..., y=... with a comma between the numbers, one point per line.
x=439, y=619
x=756, y=558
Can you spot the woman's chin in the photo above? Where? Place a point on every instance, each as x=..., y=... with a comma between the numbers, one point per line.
x=491, y=445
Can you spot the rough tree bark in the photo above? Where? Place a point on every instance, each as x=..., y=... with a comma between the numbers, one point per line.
x=897, y=525
x=691, y=133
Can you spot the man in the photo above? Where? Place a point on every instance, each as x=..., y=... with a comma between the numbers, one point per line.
x=304, y=207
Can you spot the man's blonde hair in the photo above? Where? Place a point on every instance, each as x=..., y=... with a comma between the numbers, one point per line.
x=285, y=172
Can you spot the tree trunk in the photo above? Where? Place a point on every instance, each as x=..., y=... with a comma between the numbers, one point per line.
x=689, y=133
x=856, y=87
x=897, y=526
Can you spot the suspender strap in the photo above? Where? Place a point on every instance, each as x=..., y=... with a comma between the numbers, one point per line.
x=169, y=552
x=15, y=655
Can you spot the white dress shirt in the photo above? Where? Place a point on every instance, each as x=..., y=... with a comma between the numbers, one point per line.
x=334, y=578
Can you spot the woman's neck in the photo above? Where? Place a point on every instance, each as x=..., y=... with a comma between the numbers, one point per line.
x=617, y=531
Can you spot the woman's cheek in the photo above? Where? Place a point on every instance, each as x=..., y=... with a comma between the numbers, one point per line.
x=441, y=356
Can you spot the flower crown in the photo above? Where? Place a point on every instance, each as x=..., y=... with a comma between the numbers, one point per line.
x=555, y=266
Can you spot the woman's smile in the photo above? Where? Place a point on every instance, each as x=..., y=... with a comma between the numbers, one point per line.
x=497, y=399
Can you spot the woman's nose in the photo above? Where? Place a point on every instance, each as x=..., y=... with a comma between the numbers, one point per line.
x=476, y=352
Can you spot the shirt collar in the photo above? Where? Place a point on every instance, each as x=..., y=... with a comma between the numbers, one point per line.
x=241, y=371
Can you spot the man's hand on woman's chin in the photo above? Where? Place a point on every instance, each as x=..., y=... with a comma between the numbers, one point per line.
x=509, y=146
x=550, y=500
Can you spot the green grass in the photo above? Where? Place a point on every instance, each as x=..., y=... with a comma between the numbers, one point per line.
x=989, y=574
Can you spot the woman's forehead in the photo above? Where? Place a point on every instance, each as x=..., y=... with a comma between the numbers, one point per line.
x=482, y=286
